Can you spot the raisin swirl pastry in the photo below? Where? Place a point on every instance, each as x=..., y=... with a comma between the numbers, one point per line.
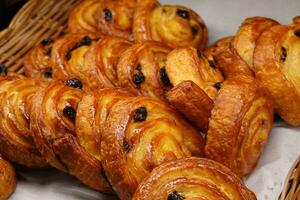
x=175, y=26
x=248, y=34
x=112, y=17
x=239, y=125
x=37, y=63
x=141, y=69
x=53, y=124
x=193, y=178
x=7, y=179
x=276, y=65
x=140, y=134
x=16, y=142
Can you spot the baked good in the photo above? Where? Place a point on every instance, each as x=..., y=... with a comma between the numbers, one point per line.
x=141, y=69
x=193, y=178
x=276, y=61
x=7, y=179
x=176, y=26
x=16, y=142
x=109, y=17
x=240, y=124
x=296, y=20
x=140, y=134
x=37, y=62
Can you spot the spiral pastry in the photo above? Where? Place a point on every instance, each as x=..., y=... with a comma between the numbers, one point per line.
x=175, y=26
x=247, y=35
x=142, y=70
x=103, y=16
x=239, y=125
x=37, y=63
x=101, y=62
x=140, y=134
x=7, y=179
x=16, y=141
x=193, y=178
x=276, y=66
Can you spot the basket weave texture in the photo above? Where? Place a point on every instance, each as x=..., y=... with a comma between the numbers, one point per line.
x=39, y=19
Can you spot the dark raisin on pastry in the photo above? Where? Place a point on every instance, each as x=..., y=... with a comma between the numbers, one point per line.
x=48, y=72
x=47, y=41
x=183, y=13
x=70, y=113
x=138, y=78
x=213, y=63
x=283, y=54
x=107, y=15
x=126, y=146
x=297, y=33
x=218, y=85
x=140, y=114
x=3, y=69
x=164, y=77
x=75, y=83
x=175, y=196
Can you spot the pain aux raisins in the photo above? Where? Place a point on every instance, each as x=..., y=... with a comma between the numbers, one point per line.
x=3, y=69
x=283, y=54
x=183, y=13
x=175, y=196
x=297, y=33
x=217, y=85
x=47, y=41
x=74, y=83
x=107, y=15
x=164, y=77
x=48, y=72
x=140, y=114
x=69, y=112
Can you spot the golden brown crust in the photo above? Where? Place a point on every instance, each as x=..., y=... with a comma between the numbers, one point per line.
x=140, y=134
x=193, y=102
x=187, y=64
x=239, y=125
x=296, y=20
x=176, y=26
x=247, y=35
x=16, y=141
x=141, y=69
x=103, y=16
x=193, y=178
x=37, y=62
x=276, y=66
x=7, y=179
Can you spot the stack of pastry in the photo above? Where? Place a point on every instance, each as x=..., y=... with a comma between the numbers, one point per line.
x=131, y=102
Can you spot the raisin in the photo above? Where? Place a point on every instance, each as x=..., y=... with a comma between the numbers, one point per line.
x=194, y=30
x=3, y=69
x=74, y=83
x=217, y=85
x=164, y=77
x=69, y=55
x=140, y=114
x=175, y=196
x=70, y=113
x=183, y=13
x=107, y=15
x=213, y=63
x=47, y=41
x=138, y=78
x=297, y=33
x=85, y=41
x=126, y=146
x=48, y=72
x=283, y=54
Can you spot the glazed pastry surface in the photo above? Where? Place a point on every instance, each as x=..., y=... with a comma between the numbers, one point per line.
x=7, y=179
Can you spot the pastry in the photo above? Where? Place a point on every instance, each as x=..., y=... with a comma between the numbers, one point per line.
x=16, y=142
x=193, y=178
x=276, y=65
x=140, y=134
x=176, y=26
x=111, y=17
x=7, y=179
x=142, y=69
x=240, y=124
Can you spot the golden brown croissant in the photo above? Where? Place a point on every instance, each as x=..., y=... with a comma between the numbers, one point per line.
x=112, y=17
x=247, y=35
x=193, y=178
x=37, y=62
x=176, y=26
x=239, y=125
x=7, y=179
x=140, y=134
x=141, y=69
x=16, y=141
x=276, y=65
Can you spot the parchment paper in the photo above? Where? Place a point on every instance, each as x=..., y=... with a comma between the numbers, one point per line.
x=222, y=18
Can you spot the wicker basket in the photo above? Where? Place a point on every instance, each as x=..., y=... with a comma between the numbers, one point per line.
x=39, y=19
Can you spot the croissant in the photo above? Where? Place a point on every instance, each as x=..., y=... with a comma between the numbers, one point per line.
x=103, y=16
x=16, y=142
x=240, y=124
x=140, y=134
x=193, y=178
x=37, y=62
x=141, y=69
x=7, y=179
x=248, y=34
x=276, y=65
x=176, y=26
